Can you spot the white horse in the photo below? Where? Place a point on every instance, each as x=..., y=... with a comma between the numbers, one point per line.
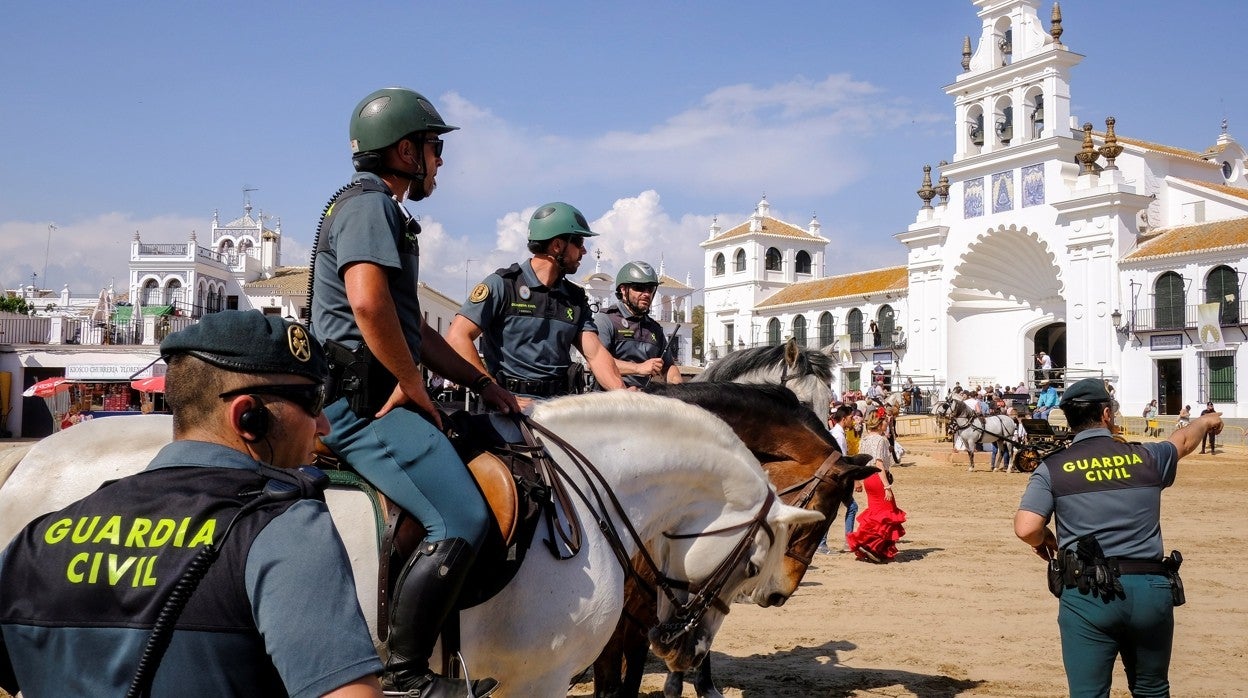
x=807, y=372
x=972, y=427
x=687, y=473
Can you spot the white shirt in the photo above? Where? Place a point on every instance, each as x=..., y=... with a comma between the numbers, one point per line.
x=838, y=433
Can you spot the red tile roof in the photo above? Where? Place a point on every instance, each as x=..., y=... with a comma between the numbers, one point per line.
x=891, y=279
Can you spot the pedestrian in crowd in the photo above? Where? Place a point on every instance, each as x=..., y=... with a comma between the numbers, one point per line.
x=529, y=316
x=633, y=338
x=1209, y=435
x=1185, y=417
x=875, y=334
x=853, y=434
x=1046, y=401
x=246, y=392
x=881, y=525
x=1044, y=363
x=839, y=422
x=1150, y=420
x=366, y=309
x=1117, y=593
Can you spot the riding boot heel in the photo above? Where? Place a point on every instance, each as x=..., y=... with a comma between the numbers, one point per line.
x=424, y=596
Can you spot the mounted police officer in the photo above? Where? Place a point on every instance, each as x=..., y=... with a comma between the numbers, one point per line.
x=633, y=338
x=529, y=315
x=1107, y=564
x=366, y=310
x=81, y=590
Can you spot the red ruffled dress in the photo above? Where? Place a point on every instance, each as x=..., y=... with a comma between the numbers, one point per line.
x=880, y=526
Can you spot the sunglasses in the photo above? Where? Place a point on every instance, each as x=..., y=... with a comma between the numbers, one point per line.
x=437, y=144
x=576, y=240
x=309, y=396
x=644, y=288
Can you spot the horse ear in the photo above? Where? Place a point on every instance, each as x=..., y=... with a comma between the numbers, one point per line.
x=862, y=472
x=794, y=516
x=860, y=459
x=791, y=352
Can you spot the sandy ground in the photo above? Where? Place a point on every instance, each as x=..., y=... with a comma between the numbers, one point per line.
x=964, y=611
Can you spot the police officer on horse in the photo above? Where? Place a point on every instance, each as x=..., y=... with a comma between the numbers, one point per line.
x=529, y=315
x=632, y=337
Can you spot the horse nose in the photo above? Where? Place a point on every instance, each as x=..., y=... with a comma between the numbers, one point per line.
x=777, y=599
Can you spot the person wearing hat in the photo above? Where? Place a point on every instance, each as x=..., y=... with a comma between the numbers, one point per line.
x=633, y=338
x=1046, y=401
x=529, y=315
x=1045, y=363
x=246, y=392
x=366, y=311
x=1117, y=593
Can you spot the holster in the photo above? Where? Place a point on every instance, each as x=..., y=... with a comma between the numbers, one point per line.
x=1172, y=565
x=1088, y=569
x=358, y=376
x=1056, y=574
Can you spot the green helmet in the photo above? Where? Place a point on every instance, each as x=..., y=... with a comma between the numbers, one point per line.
x=555, y=219
x=384, y=117
x=635, y=273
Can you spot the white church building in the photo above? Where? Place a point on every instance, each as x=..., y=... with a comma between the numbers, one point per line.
x=1118, y=257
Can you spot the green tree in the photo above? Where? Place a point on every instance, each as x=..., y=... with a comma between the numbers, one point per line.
x=13, y=304
x=698, y=325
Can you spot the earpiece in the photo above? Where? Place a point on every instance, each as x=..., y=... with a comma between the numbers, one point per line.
x=255, y=420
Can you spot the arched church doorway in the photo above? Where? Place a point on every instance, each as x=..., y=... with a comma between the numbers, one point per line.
x=1051, y=339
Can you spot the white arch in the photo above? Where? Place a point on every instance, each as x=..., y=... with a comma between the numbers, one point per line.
x=1006, y=267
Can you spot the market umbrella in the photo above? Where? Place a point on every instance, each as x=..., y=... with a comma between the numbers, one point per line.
x=153, y=384
x=47, y=387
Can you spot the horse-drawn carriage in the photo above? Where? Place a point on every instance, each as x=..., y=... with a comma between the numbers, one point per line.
x=1044, y=436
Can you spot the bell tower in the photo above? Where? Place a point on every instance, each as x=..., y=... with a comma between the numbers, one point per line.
x=1015, y=86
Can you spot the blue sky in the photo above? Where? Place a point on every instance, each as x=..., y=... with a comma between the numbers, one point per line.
x=652, y=118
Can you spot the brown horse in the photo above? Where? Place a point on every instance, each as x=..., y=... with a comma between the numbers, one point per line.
x=803, y=462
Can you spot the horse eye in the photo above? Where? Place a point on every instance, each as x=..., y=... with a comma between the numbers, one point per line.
x=751, y=570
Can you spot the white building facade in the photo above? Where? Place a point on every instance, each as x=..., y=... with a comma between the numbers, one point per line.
x=1040, y=234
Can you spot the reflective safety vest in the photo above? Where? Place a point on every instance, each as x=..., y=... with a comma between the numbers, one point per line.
x=110, y=560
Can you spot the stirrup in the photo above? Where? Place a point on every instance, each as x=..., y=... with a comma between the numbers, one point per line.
x=432, y=685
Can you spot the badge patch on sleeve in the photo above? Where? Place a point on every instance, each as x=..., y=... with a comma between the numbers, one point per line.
x=479, y=293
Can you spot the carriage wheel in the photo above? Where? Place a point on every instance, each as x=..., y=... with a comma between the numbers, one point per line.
x=1027, y=459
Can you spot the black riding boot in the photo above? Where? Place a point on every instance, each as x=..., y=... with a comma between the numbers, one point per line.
x=424, y=596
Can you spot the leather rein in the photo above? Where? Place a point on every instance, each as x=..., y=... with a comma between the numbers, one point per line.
x=602, y=504
x=802, y=494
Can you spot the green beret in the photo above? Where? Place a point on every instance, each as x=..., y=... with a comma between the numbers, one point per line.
x=248, y=341
x=1086, y=390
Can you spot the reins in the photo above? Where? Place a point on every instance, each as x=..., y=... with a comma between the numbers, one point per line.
x=604, y=503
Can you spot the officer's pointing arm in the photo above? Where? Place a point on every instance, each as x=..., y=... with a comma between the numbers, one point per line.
x=1189, y=437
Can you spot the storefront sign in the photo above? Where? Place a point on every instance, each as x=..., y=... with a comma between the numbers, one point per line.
x=1165, y=341
x=109, y=372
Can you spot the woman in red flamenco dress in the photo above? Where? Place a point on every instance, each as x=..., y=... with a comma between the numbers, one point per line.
x=880, y=526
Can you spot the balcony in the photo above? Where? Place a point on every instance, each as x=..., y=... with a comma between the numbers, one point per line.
x=1178, y=319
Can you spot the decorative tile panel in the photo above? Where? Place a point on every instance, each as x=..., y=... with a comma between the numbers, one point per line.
x=1033, y=185
x=973, y=198
x=1003, y=192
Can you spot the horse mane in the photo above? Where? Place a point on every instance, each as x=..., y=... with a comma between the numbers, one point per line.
x=646, y=415
x=775, y=401
x=739, y=363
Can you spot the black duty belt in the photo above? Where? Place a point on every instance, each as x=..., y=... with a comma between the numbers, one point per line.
x=538, y=388
x=1126, y=566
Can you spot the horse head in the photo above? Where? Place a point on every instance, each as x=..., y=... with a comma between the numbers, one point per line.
x=752, y=565
x=807, y=372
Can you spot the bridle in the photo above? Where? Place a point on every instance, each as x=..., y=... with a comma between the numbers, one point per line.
x=605, y=508
x=802, y=494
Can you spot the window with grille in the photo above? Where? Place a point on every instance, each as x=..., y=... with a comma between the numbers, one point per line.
x=1218, y=380
x=855, y=327
x=739, y=261
x=1168, y=301
x=825, y=330
x=887, y=319
x=802, y=263
x=1222, y=287
x=799, y=330
x=773, y=260
x=717, y=266
x=773, y=332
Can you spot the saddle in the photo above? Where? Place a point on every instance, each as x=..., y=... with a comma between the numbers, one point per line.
x=513, y=473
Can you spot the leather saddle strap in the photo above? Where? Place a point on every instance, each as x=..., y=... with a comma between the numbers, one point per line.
x=394, y=514
x=571, y=535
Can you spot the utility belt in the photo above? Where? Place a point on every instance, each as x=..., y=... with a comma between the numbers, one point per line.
x=1083, y=567
x=549, y=387
x=358, y=376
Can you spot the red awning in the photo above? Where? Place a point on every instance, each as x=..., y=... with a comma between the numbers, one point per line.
x=47, y=387
x=155, y=384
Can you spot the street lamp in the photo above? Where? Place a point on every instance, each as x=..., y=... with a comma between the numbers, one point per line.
x=1123, y=329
